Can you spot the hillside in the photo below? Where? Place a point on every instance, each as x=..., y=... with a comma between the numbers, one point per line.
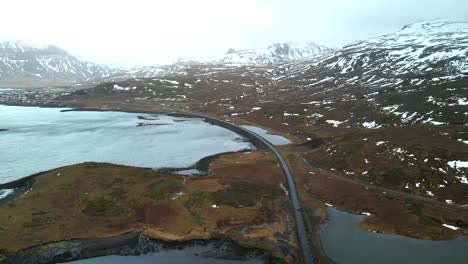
x=418, y=75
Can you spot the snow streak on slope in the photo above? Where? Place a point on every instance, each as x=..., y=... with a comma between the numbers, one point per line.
x=420, y=47
x=418, y=75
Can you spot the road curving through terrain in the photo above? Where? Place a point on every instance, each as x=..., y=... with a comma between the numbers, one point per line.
x=301, y=230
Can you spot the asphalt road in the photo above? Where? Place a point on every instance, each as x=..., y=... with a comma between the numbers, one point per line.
x=301, y=230
x=293, y=193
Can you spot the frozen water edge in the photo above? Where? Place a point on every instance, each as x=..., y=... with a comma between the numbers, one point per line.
x=40, y=139
x=273, y=139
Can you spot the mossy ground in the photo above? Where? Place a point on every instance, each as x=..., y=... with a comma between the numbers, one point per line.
x=93, y=200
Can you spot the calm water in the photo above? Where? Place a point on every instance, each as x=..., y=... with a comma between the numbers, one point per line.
x=345, y=243
x=40, y=139
x=166, y=258
x=273, y=139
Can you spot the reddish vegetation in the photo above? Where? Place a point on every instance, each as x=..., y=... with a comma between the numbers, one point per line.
x=158, y=215
x=239, y=167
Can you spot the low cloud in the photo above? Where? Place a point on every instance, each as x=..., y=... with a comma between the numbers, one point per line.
x=129, y=32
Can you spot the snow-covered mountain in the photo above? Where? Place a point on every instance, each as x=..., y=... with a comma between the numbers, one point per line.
x=416, y=75
x=437, y=48
x=273, y=54
x=20, y=61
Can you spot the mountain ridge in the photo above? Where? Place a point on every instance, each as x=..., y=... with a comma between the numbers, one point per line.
x=23, y=62
x=275, y=53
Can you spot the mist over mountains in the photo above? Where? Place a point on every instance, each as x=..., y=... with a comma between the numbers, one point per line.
x=436, y=46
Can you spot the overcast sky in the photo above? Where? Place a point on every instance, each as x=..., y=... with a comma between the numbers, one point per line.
x=129, y=32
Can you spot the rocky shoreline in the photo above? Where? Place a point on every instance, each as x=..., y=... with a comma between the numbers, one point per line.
x=19, y=186
x=315, y=225
x=132, y=244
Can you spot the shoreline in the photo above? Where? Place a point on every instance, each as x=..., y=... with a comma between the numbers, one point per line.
x=315, y=225
x=22, y=185
x=133, y=244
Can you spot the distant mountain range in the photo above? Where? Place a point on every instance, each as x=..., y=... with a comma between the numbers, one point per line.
x=435, y=48
x=275, y=54
x=22, y=62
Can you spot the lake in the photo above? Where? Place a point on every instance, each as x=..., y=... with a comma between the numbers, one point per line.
x=36, y=139
x=273, y=139
x=39, y=139
x=345, y=242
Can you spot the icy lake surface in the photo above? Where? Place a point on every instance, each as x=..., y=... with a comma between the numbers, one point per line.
x=273, y=139
x=345, y=242
x=40, y=139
